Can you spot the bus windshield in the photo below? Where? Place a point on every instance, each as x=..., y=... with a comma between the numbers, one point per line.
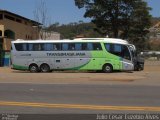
x=133, y=51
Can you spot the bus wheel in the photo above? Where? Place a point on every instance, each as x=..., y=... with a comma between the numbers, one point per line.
x=45, y=68
x=107, y=68
x=33, y=68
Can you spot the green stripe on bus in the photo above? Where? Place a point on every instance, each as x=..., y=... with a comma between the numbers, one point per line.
x=18, y=67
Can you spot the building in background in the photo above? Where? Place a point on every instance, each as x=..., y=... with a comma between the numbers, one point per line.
x=49, y=35
x=12, y=27
x=155, y=31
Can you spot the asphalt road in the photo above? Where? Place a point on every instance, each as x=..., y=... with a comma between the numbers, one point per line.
x=77, y=98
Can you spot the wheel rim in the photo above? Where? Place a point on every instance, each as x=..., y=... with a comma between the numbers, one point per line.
x=108, y=68
x=44, y=68
x=33, y=69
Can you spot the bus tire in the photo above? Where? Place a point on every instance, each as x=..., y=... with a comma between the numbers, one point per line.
x=33, y=68
x=45, y=68
x=107, y=68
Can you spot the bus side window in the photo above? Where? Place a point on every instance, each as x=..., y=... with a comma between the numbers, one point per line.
x=115, y=49
x=78, y=46
x=21, y=46
x=71, y=46
x=108, y=47
x=57, y=46
x=24, y=45
x=30, y=47
x=54, y=47
x=38, y=47
x=48, y=46
x=84, y=46
x=34, y=47
x=90, y=46
x=97, y=46
x=41, y=47
x=18, y=46
x=64, y=46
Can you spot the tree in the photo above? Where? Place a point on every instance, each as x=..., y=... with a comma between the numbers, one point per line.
x=127, y=19
x=41, y=16
x=72, y=30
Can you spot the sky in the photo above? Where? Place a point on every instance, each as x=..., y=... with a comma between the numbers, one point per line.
x=62, y=11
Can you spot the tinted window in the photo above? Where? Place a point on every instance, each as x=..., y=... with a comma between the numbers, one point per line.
x=84, y=46
x=18, y=47
x=21, y=46
x=117, y=50
x=78, y=46
x=68, y=46
x=24, y=46
x=71, y=46
x=48, y=47
x=126, y=53
x=52, y=46
x=97, y=46
x=94, y=46
x=65, y=46
x=36, y=47
x=90, y=46
x=108, y=47
x=57, y=46
x=30, y=47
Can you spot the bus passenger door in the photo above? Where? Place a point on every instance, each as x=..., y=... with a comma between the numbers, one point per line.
x=127, y=63
x=94, y=60
x=97, y=60
x=97, y=56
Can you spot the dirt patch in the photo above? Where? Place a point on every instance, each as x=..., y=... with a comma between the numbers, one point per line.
x=152, y=66
x=5, y=70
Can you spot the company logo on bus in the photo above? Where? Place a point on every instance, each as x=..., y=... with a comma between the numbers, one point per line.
x=66, y=54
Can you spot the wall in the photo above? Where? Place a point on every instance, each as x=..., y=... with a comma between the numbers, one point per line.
x=22, y=31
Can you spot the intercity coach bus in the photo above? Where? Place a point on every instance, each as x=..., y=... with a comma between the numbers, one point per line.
x=106, y=54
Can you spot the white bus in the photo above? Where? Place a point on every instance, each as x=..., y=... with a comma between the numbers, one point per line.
x=79, y=54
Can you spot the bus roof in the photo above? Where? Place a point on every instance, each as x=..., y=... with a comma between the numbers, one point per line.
x=105, y=40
